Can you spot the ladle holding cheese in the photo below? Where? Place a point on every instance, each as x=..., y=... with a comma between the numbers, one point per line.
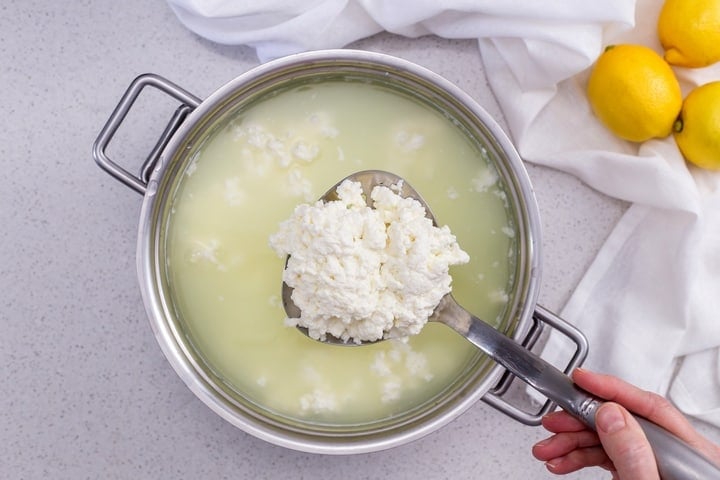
x=384, y=192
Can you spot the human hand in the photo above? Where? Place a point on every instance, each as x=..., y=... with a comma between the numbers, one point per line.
x=619, y=445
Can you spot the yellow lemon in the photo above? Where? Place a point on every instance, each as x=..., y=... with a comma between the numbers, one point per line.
x=689, y=30
x=634, y=92
x=697, y=130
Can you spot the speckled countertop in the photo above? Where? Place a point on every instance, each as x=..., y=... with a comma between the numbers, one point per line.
x=86, y=391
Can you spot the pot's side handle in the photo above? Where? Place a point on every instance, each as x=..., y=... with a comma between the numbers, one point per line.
x=188, y=103
x=541, y=318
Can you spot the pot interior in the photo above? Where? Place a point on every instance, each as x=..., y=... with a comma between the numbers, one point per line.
x=280, y=136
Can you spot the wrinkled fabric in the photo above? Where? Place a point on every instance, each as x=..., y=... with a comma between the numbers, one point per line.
x=649, y=302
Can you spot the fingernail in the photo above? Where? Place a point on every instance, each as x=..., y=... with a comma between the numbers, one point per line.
x=552, y=414
x=542, y=443
x=610, y=418
x=553, y=464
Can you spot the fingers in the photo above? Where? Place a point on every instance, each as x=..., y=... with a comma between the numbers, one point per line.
x=571, y=451
x=579, y=459
x=572, y=448
x=646, y=404
x=625, y=443
x=563, y=443
x=561, y=421
x=619, y=444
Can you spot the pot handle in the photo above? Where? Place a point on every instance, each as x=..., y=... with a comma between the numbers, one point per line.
x=188, y=103
x=541, y=318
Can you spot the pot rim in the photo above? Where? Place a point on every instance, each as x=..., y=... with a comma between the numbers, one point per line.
x=167, y=333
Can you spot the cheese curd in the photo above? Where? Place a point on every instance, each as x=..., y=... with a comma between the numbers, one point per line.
x=362, y=273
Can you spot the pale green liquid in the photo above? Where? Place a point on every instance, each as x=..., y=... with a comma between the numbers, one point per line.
x=226, y=279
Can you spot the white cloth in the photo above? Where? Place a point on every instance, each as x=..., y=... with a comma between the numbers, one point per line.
x=650, y=302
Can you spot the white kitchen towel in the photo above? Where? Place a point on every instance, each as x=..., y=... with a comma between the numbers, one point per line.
x=649, y=303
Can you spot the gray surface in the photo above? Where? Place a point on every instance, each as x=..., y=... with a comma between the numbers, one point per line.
x=86, y=391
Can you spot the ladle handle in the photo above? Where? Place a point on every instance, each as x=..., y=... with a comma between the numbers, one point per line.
x=676, y=459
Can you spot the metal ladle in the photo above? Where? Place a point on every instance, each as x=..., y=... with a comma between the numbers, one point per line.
x=676, y=460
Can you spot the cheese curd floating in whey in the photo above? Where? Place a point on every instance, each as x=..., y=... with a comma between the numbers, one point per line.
x=288, y=148
x=362, y=273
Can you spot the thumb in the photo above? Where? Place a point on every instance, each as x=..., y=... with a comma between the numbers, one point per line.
x=624, y=442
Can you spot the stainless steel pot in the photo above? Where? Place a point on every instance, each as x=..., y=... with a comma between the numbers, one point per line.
x=162, y=172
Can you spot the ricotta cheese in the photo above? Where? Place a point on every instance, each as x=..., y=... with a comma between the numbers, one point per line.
x=362, y=273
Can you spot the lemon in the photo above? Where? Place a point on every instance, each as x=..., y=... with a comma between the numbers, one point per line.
x=634, y=92
x=689, y=31
x=697, y=130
